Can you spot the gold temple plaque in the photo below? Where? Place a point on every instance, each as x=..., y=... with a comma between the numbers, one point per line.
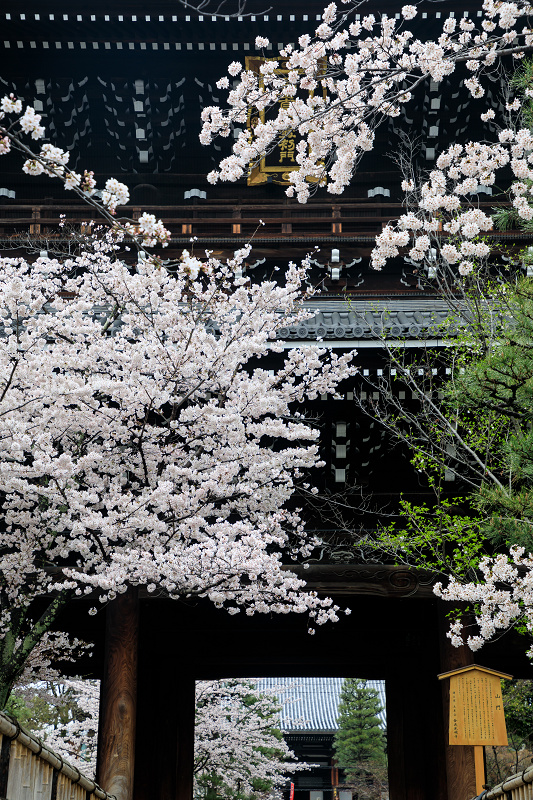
x=276, y=165
x=476, y=706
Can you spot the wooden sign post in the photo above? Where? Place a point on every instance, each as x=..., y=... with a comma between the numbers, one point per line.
x=476, y=712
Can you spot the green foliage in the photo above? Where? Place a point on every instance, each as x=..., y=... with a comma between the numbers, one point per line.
x=505, y=218
x=18, y=708
x=49, y=704
x=359, y=742
x=518, y=703
x=521, y=80
x=501, y=384
x=479, y=431
x=445, y=537
x=508, y=218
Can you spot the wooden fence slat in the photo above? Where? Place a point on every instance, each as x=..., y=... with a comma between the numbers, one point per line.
x=5, y=748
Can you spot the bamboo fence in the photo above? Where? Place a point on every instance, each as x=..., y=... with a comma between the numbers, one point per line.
x=29, y=770
x=517, y=787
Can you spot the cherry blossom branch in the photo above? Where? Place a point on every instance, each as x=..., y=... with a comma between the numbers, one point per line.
x=343, y=81
x=52, y=161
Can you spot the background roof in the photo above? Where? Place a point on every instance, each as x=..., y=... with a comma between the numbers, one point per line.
x=311, y=704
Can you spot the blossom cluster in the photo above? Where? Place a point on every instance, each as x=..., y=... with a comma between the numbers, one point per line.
x=115, y=194
x=149, y=230
x=236, y=736
x=53, y=161
x=443, y=202
x=70, y=728
x=237, y=741
x=346, y=78
x=502, y=599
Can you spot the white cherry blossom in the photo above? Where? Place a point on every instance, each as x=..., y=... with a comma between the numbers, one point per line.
x=346, y=79
x=502, y=599
x=148, y=437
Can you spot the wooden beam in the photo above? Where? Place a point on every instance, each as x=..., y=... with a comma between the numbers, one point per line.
x=367, y=579
x=118, y=698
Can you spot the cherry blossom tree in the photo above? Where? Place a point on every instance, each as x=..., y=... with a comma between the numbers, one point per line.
x=239, y=750
x=337, y=87
x=150, y=431
x=478, y=431
x=470, y=435
x=63, y=713
x=340, y=83
x=474, y=428
x=503, y=598
x=442, y=203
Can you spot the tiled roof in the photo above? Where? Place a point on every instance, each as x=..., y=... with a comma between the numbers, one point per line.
x=374, y=320
x=311, y=704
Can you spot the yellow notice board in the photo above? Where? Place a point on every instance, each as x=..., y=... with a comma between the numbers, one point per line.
x=476, y=706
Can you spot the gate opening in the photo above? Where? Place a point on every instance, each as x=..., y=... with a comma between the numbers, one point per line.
x=291, y=738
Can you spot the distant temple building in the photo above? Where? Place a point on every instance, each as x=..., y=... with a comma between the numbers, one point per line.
x=308, y=719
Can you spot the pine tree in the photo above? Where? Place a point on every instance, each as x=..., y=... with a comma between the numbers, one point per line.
x=359, y=742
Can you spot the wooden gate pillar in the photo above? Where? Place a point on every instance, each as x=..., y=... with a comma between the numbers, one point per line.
x=116, y=730
x=186, y=707
x=165, y=723
x=414, y=722
x=460, y=763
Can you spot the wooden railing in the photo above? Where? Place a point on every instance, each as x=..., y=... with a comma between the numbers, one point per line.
x=217, y=219
x=31, y=771
x=517, y=787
